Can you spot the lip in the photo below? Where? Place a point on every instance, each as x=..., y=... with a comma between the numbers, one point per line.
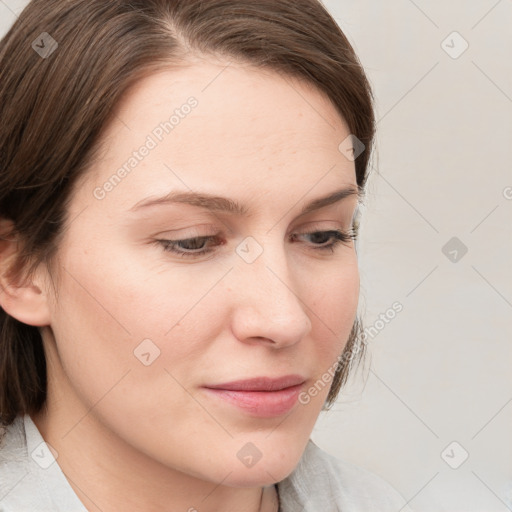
x=264, y=397
x=260, y=383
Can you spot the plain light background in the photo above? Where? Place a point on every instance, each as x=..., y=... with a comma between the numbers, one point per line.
x=431, y=410
x=441, y=369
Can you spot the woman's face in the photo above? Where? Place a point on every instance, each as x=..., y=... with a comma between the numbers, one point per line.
x=140, y=334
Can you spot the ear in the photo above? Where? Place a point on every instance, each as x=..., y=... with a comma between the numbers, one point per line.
x=23, y=299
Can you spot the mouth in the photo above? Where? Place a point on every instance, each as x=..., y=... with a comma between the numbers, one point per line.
x=263, y=397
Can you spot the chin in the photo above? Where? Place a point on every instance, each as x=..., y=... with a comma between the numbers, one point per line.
x=268, y=470
x=257, y=478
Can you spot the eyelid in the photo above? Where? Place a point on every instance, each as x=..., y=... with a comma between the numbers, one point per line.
x=318, y=225
x=197, y=231
x=205, y=230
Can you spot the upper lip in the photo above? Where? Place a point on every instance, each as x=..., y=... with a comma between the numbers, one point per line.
x=260, y=383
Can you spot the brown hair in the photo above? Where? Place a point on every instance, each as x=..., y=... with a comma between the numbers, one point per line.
x=55, y=102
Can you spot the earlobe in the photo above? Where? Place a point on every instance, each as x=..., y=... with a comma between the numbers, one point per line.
x=26, y=303
x=20, y=298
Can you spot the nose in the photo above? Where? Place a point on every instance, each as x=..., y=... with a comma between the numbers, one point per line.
x=267, y=304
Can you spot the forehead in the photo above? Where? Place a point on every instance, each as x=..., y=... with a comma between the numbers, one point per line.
x=222, y=127
x=232, y=99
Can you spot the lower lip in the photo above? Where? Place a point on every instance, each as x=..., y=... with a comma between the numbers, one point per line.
x=265, y=404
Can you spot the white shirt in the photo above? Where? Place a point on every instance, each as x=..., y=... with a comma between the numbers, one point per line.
x=32, y=481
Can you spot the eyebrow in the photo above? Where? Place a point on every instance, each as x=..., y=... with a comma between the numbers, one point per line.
x=224, y=204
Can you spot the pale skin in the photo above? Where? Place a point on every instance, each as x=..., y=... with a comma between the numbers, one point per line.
x=133, y=437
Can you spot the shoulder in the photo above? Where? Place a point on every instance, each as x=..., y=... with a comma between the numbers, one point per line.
x=29, y=477
x=13, y=459
x=18, y=489
x=323, y=482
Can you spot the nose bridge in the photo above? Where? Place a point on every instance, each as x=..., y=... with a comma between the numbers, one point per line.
x=268, y=303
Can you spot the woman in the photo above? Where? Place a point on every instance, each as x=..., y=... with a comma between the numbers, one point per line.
x=179, y=184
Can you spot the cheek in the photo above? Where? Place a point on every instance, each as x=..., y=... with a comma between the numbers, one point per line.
x=117, y=299
x=333, y=302
x=130, y=344
x=116, y=313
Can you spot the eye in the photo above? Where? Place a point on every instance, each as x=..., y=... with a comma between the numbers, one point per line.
x=200, y=245
x=189, y=247
x=320, y=238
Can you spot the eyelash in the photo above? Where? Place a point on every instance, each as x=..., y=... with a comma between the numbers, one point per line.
x=338, y=235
